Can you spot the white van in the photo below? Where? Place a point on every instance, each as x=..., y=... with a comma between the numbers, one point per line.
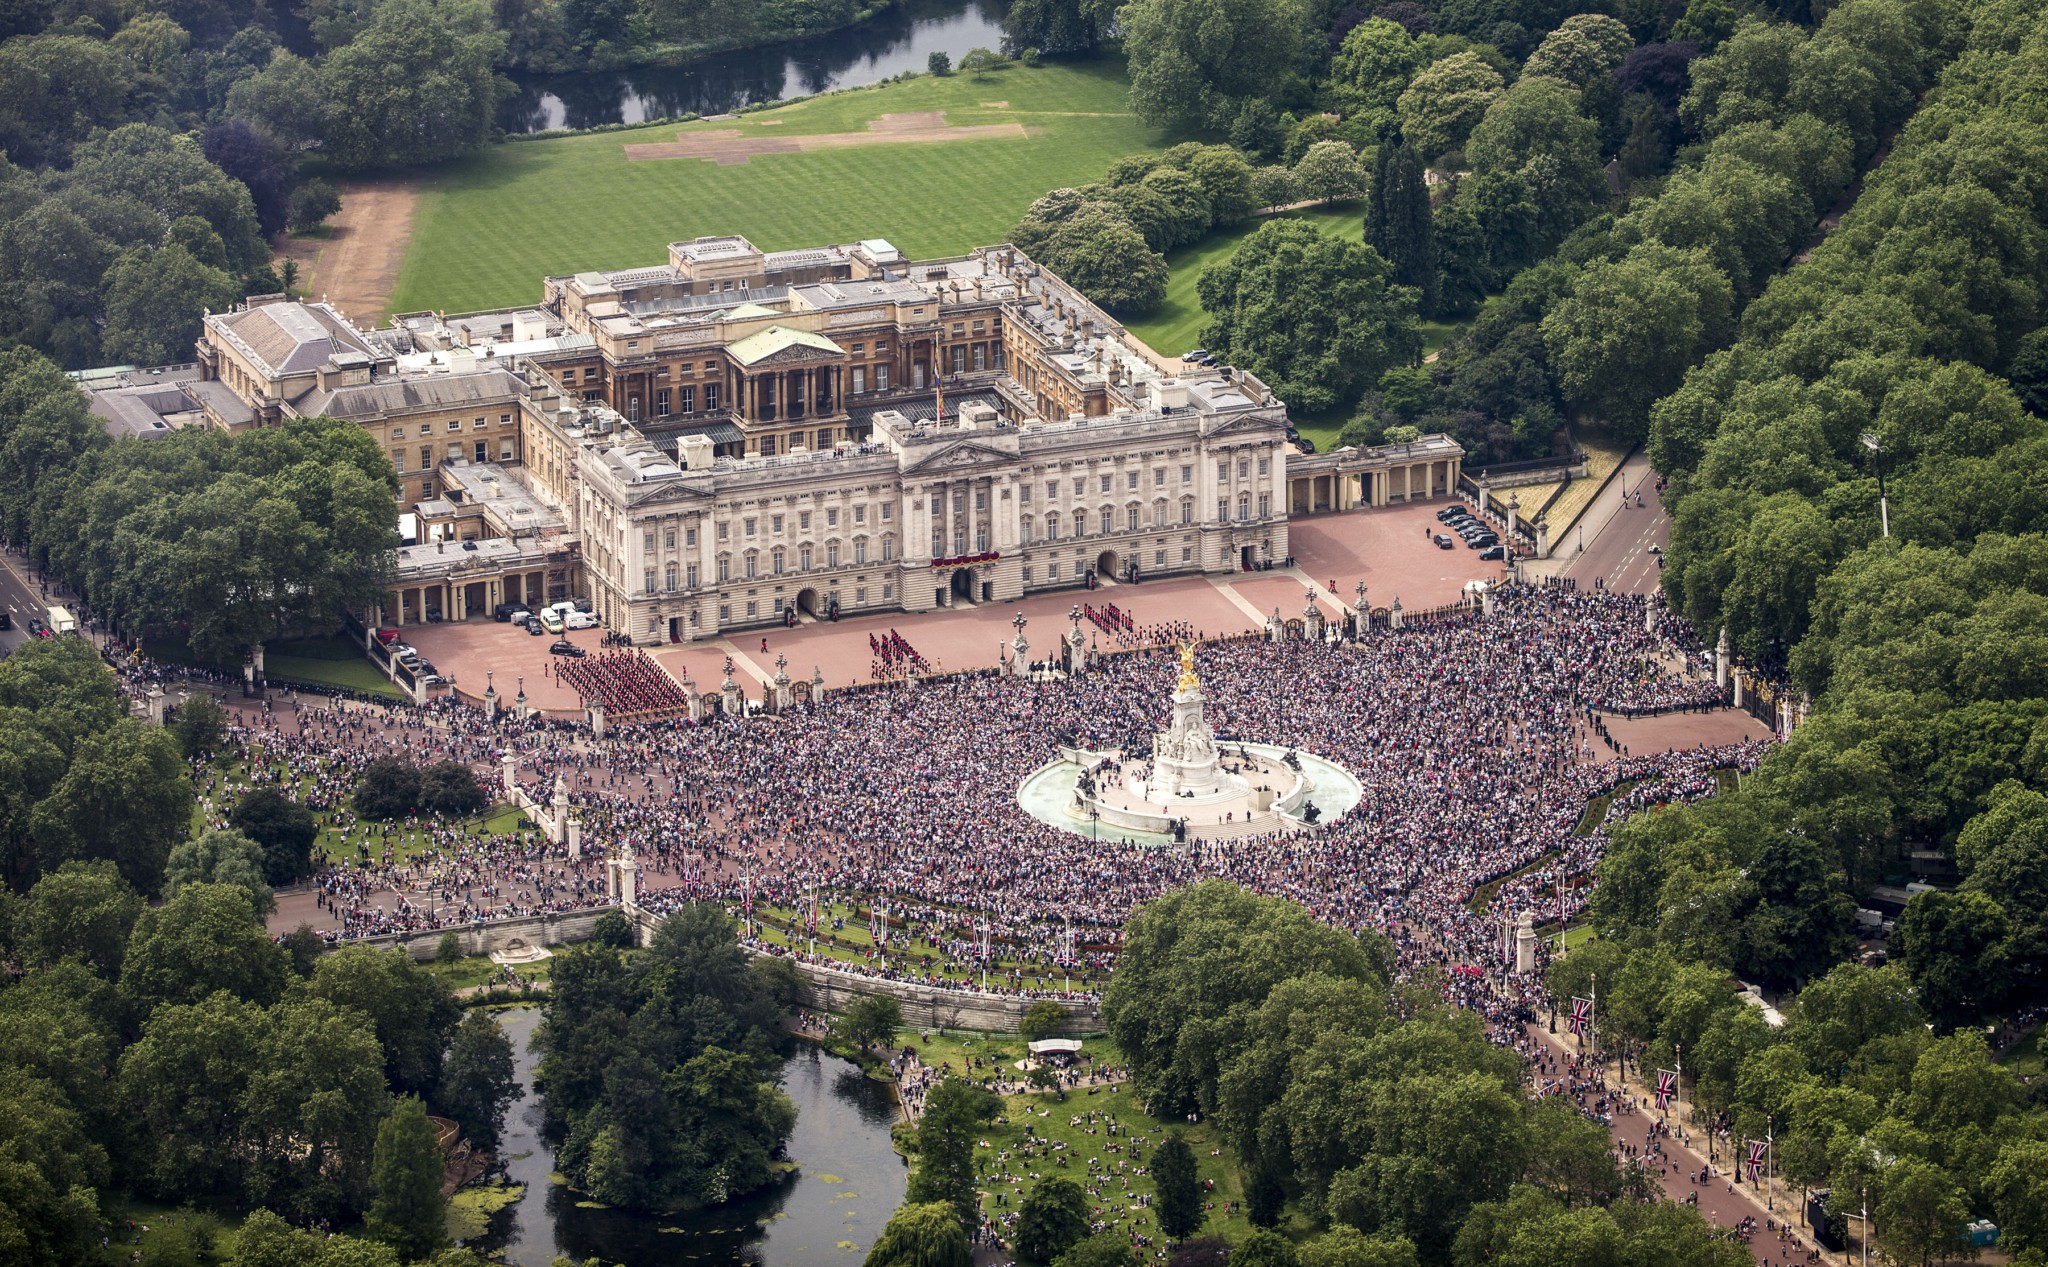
x=579, y=620
x=62, y=621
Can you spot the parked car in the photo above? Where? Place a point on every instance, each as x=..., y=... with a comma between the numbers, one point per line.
x=1307, y=445
x=580, y=620
x=1445, y=543
x=37, y=628
x=533, y=626
x=1449, y=513
x=1492, y=552
x=1193, y=354
x=1483, y=542
x=562, y=646
x=504, y=611
x=583, y=605
x=519, y=615
x=6, y=621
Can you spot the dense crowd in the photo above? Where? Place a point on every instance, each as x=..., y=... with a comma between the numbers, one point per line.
x=1474, y=739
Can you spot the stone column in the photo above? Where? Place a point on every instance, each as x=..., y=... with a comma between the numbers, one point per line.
x=597, y=718
x=1721, y=660
x=1740, y=696
x=1525, y=943
x=561, y=806
x=510, y=765
x=1394, y=614
x=575, y=838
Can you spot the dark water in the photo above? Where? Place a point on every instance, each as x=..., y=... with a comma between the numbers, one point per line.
x=851, y=1181
x=899, y=40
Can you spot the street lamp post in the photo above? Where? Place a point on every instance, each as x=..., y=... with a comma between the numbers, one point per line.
x=1884, y=514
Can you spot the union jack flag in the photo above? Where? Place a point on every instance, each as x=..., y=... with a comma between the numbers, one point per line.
x=1755, y=1164
x=1582, y=1016
x=1667, y=1087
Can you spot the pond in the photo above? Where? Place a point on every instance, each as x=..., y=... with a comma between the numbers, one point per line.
x=851, y=1180
x=903, y=38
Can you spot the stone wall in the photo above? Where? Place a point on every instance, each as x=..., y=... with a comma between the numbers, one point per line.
x=826, y=989
x=502, y=934
x=830, y=990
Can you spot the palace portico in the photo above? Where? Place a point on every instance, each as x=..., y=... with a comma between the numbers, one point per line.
x=1380, y=475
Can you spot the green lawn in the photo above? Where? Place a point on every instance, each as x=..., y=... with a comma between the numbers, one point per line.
x=782, y=927
x=489, y=228
x=1056, y=1126
x=334, y=660
x=1176, y=325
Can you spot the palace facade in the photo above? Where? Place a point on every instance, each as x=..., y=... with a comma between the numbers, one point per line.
x=737, y=438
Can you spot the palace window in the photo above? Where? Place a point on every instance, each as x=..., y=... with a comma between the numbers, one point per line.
x=668, y=577
x=686, y=397
x=1265, y=504
x=1264, y=465
x=1244, y=505
x=1131, y=519
x=888, y=511
x=803, y=557
x=860, y=551
x=1187, y=474
x=710, y=397
x=1108, y=520
x=753, y=565
x=888, y=548
x=647, y=541
x=724, y=568
x=775, y=560
x=661, y=402
x=668, y=539
x=648, y=576
x=831, y=554
x=690, y=576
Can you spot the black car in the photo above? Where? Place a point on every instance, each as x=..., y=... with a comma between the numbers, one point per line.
x=1307, y=445
x=562, y=646
x=533, y=626
x=35, y=626
x=1449, y=513
x=1492, y=552
x=1486, y=542
x=1445, y=543
x=503, y=611
x=6, y=620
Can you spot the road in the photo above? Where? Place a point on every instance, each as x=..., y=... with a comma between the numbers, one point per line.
x=20, y=599
x=1625, y=544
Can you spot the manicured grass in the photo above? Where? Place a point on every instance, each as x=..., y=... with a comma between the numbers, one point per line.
x=781, y=927
x=490, y=228
x=1051, y=1121
x=475, y=970
x=1176, y=325
x=2027, y=1060
x=163, y=1234
x=330, y=661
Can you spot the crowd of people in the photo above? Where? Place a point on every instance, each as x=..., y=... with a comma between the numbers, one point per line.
x=1474, y=739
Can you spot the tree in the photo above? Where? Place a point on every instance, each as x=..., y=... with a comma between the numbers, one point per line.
x=222, y=856
x=1919, y=1212
x=1586, y=47
x=1187, y=204
x=954, y=1111
x=1314, y=317
x=1059, y=28
x=1052, y=1219
x=83, y=911
x=388, y=788
x=1180, y=1188
x=283, y=827
x=1264, y=1248
x=126, y=797
x=939, y=63
x=205, y=938
x=1630, y=329
x=167, y=174
x=1101, y=255
x=2018, y=1184
x=247, y=153
x=1399, y=223
x=612, y=929
x=313, y=204
x=2028, y=373
x=199, y=725
x=1105, y=1249
x=924, y=1234
x=1954, y=947
x=1534, y=158
x=477, y=1083
x=1371, y=69
x=1226, y=180
x=415, y=87
x=1193, y=60
x=1195, y=967
x=1042, y=1019
x=409, y=1213
x=872, y=1018
x=451, y=789
x=413, y=1014
x=1346, y=1246
x=1443, y=103
x=1328, y=171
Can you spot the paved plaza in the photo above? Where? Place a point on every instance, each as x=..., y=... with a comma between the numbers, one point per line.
x=1388, y=549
